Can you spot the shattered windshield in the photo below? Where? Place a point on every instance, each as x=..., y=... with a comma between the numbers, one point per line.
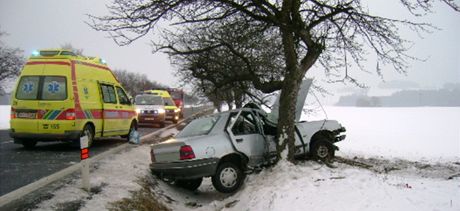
x=199, y=127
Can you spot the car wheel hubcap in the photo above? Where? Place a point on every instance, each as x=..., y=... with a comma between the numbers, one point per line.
x=322, y=151
x=228, y=177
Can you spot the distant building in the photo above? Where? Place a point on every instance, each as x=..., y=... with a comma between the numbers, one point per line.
x=449, y=96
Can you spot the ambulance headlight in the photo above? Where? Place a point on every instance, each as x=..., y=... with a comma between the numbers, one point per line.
x=161, y=111
x=138, y=111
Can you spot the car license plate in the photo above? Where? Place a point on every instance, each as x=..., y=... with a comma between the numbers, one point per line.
x=149, y=118
x=26, y=115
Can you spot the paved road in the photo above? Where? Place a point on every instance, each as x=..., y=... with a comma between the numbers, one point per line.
x=19, y=167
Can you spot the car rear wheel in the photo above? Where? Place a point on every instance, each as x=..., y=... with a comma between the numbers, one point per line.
x=29, y=144
x=191, y=184
x=323, y=150
x=88, y=131
x=228, y=178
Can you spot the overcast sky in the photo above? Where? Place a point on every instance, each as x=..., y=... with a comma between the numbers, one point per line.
x=42, y=24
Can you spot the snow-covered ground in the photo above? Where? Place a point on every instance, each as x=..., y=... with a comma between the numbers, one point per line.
x=419, y=133
x=378, y=137
x=5, y=116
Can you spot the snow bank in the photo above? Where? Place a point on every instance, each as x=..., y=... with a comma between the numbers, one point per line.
x=420, y=133
x=310, y=186
x=115, y=176
x=5, y=116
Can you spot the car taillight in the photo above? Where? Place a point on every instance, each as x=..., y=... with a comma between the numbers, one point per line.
x=70, y=114
x=186, y=152
x=13, y=113
x=152, y=156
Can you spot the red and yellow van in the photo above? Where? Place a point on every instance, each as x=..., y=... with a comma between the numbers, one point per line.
x=60, y=97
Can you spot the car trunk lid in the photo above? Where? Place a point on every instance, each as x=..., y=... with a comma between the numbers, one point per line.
x=168, y=151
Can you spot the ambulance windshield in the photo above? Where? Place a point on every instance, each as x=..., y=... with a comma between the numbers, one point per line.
x=148, y=100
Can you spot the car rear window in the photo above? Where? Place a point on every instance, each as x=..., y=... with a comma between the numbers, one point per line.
x=199, y=127
x=42, y=88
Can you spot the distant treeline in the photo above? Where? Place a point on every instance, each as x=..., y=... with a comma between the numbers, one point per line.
x=449, y=96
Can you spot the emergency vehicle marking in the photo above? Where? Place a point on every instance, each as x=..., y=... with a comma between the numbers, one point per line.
x=52, y=114
x=53, y=87
x=28, y=87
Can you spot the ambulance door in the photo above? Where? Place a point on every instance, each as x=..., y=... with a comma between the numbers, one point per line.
x=126, y=110
x=110, y=114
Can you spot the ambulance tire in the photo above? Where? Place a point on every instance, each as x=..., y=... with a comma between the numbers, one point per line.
x=88, y=131
x=132, y=128
x=29, y=144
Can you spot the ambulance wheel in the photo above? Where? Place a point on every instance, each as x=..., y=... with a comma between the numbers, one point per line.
x=132, y=128
x=88, y=131
x=29, y=144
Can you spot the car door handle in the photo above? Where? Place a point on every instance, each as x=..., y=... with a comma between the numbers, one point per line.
x=239, y=140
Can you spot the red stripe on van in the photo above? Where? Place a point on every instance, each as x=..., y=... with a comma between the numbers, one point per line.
x=55, y=63
x=78, y=110
x=93, y=65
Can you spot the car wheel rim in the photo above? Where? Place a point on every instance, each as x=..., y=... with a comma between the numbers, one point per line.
x=228, y=177
x=322, y=151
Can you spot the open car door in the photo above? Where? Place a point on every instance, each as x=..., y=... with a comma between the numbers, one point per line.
x=246, y=136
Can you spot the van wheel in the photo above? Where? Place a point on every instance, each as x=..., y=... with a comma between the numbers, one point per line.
x=29, y=144
x=132, y=128
x=228, y=178
x=88, y=131
x=189, y=184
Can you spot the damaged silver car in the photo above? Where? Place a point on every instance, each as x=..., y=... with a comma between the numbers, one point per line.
x=226, y=146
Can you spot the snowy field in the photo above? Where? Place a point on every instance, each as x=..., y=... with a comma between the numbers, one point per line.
x=420, y=133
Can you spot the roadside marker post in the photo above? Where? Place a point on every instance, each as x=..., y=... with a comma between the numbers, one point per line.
x=84, y=155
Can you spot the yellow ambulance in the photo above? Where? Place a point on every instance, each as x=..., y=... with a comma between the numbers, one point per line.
x=60, y=96
x=172, y=111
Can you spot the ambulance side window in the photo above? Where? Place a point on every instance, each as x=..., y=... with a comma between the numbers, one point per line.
x=122, y=98
x=108, y=94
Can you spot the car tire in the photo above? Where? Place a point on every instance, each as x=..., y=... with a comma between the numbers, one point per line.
x=29, y=144
x=190, y=184
x=322, y=150
x=88, y=131
x=228, y=178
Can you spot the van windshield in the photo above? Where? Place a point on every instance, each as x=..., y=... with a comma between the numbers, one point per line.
x=42, y=88
x=168, y=101
x=148, y=100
